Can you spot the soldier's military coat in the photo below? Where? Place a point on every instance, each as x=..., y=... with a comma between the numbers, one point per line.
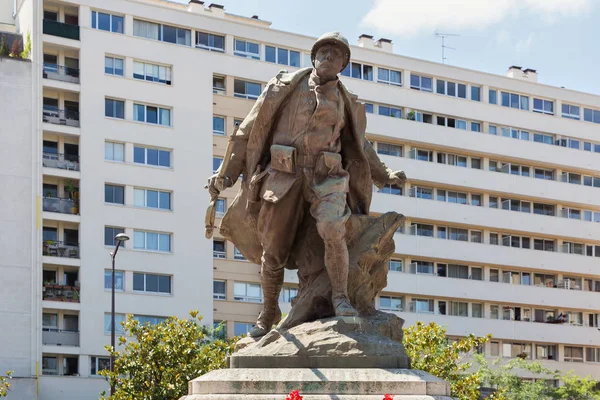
x=251, y=157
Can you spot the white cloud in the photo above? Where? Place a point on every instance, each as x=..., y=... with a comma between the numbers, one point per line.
x=410, y=17
x=503, y=36
x=524, y=45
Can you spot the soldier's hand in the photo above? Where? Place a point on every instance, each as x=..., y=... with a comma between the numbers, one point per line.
x=217, y=184
x=397, y=178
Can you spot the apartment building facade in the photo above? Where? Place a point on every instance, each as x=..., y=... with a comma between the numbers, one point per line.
x=502, y=202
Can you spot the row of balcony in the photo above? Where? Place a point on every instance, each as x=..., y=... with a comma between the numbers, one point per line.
x=61, y=29
x=60, y=73
x=55, y=248
x=56, y=116
x=58, y=205
x=60, y=337
x=65, y=293
x=61, y=161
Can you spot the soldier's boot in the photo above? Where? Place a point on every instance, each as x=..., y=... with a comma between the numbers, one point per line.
x=272, y=282
x=337, y=264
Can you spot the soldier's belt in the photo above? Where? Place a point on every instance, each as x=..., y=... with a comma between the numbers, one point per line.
x=287, y=159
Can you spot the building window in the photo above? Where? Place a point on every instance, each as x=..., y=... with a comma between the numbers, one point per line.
x=107, y=22
x=390, y=303
x=219, y=249
x=151, y=283
x=109, y=235
x=543, y=244
x=422, y=83
x=389, y=149
x=389, y=76
x=217, y=161
x=219, y=126
x=543, y=106
x=152, y=199
x=114, y=151
x=210, y=42
x=390, y=111
x=475, y=93
x=288, y=294
x=477, y=310
x=114, y=194
x=542, y=138
x=573, y=354
x=219, y=290
x=218, y=84
x=49, y=365
x=451, y=88
x=114, y=108
x=421, y=192
x=570, y=111
x=246, y=48
x=543, y=174
x=250, y=292
x=422, y=306
x=459, y=309
x=369, y=108
x=237, y=255
x=241, y=328
x=493, y=96
x=513, y=100
x=164, y=33
x=246, y=90
x=591, y=115
x=151, y=114
x=282, y=56
x=113, y=65
x=221, y=207
x=152, y=72
x=119, y=280
x=154, y=241
x=495, y=349
x=391, y=189
x=98, y=364
x=149, y=156
x=358, y=71
x=592, y=354
x=421, y=267
x=475, y=127
x=119, y=319
x=395, y=265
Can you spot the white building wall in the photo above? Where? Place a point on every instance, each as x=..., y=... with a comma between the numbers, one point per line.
x=19, y=302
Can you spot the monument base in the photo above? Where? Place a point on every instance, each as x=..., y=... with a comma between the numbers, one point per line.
x=317, y=384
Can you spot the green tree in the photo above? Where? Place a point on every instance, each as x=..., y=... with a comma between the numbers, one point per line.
x=430, y=351
x=27, y=48
x=504, y=376
x=157, y=361
x=4, y=385
x=4, y=50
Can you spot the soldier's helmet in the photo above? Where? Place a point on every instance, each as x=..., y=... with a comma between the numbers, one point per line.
x=332, y=38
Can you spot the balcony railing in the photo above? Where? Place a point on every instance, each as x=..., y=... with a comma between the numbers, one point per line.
x=60, y=249
x=61, y=117
x=54, y=292
x=60, y=73
x=60, y=161
x=61, y=29
x=57, y=205
x=60, y=337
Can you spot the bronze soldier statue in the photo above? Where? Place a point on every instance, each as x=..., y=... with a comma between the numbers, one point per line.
x=302, y=151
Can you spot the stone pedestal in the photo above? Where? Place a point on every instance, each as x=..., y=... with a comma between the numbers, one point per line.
x=340, y=358
x=317, y=384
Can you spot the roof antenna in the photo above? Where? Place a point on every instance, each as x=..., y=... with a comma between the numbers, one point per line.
x=443, y=36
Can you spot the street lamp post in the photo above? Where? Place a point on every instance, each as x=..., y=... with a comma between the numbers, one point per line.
x=121, y=237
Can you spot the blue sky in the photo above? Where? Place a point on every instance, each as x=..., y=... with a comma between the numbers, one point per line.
x=559, y=38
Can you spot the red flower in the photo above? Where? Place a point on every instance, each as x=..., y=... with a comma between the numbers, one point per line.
x=388, y=397
x=294, y=395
